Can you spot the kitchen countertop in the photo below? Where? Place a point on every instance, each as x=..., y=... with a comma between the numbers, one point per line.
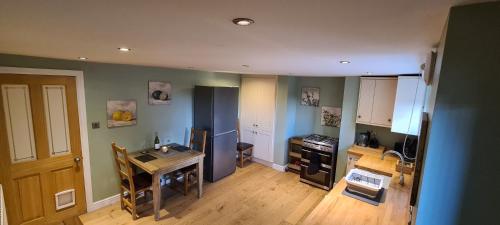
x=336, y=208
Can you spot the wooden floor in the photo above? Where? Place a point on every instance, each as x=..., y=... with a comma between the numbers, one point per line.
x=253, y=195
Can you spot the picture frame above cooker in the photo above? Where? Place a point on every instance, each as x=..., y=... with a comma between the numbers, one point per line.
x=310, y=96
x=159, y=92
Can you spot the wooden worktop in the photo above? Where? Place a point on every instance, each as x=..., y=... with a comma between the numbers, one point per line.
x=336, y=208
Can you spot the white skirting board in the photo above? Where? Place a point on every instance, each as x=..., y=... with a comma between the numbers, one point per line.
x=270, y=164
x=103, y=203
x=279, y=167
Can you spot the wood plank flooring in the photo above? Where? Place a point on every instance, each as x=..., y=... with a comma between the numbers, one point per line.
x=255, y=194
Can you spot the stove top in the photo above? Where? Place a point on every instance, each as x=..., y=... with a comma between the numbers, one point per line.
x=321, y=140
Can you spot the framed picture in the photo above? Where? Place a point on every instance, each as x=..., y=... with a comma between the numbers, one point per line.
x=121, y=113
x=160, y=93
x=310, y=97
x=331, y=116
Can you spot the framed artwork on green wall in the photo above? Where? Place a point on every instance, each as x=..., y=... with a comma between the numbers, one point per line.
x=310, y=96
x=121, y=113
x=160, y=93
x=331, y=116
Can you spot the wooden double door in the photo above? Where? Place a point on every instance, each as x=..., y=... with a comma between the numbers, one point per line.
x=41, y=167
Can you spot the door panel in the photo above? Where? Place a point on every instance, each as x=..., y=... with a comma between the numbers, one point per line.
x=248, y=108
x=262, y=147
x=17, y=110
x=383, y=101
x=54, y=97
x=365, y=100
x=30, y=198
x=265, y=104
x=48, y=105
x=247, y=136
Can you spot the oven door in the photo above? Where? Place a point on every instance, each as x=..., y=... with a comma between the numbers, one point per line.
x=324, y=157
x=321, y=179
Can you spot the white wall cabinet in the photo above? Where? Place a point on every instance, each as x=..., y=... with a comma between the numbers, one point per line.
x=257, y=112
x=408, y=105
x=376, y=101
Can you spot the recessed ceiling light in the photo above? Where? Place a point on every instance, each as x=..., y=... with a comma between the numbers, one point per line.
x=123, y=49
x=82, y=58
x=243, y=21
x=245, y=65
x=344, y=62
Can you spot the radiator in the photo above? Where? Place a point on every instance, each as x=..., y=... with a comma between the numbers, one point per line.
x=3, y=213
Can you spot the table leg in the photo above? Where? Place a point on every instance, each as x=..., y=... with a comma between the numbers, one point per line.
x=156, y=195
x=199, y=170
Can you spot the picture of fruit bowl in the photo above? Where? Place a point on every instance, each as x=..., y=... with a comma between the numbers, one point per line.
x=121, y=113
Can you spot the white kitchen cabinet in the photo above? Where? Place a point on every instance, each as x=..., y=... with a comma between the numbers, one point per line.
x=409, y=105
x=376, y=101
x=257, y=112
x=365, y=101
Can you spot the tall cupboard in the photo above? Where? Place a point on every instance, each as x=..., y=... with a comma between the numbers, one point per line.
x=257, y=112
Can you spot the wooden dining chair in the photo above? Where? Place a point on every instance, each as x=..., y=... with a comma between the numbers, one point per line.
x=130, y=183
x=244, y=150
x=197, y=141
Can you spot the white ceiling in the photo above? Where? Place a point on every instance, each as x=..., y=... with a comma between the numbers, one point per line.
x=298, y=37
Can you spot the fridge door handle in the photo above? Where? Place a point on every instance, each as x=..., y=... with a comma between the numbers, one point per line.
x=227, y=132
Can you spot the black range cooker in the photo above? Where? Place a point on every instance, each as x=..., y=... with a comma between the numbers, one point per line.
x=319, y=152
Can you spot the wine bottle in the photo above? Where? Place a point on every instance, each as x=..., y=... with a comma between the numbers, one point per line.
x=157, y=142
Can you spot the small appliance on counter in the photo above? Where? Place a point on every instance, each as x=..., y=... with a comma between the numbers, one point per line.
x=367, y=139
x=410, y=148
x=363, y=139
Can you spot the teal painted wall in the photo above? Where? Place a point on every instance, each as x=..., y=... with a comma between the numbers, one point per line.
x=460, y=176
x=280, y=132
x=348, y=124
x=286, y=107
x=308, y=118
x=113, y=81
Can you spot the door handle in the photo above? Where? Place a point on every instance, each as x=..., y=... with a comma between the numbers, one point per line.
x=77, y=160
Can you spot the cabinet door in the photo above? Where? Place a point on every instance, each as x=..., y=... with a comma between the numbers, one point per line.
x=248, y=103
x=265, y=104
x=247, y=135
x=403, y=107
x=383, y=102
x=262, y=147
x=418, y=108
x=365, y=100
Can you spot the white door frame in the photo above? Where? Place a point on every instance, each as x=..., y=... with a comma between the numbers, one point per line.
x=82, y=115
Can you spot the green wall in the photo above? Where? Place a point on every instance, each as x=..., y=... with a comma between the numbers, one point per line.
x=114, y=81
x=280, y=140
x=460, y=176
x=348, y=124
x=286, y=97
x=308, y=118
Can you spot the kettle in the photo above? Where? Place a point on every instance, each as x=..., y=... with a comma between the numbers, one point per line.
x=363, y=139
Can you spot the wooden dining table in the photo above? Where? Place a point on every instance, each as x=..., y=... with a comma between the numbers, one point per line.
x=166, y=163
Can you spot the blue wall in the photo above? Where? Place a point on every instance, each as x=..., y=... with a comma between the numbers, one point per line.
x=461, y=178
